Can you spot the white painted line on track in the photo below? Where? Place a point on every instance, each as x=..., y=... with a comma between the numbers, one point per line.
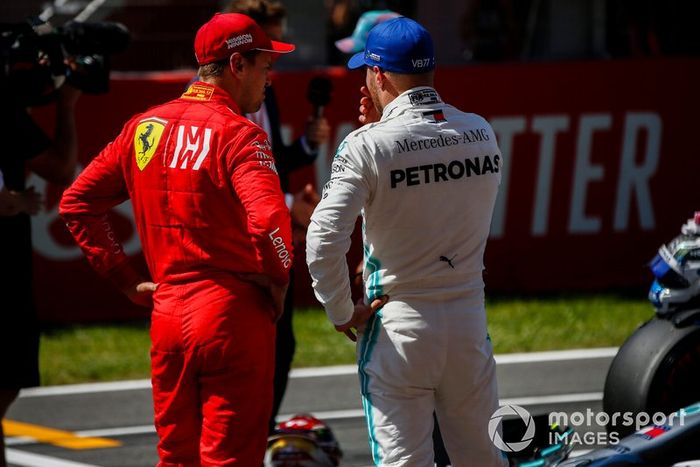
x=521, y=401
x=330, y=414
x=557, y=355
x=88, y=388
x=504, y=359
x=112, y=432
x=553, y=399
x=100, y=433
x=339, y=370
x=325, y=415
x=18, y=440
x=150, y=429
x=28, y=459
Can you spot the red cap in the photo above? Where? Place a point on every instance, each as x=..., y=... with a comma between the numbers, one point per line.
x=227, y=33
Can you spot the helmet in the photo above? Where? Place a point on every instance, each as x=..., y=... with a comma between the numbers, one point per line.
x=302, y=441
x=676, y=269
x=295, y=451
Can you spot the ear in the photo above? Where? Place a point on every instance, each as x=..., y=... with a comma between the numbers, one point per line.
x=379, y=77
x=236, y=63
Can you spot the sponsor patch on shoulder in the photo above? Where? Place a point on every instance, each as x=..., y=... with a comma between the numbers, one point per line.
x=198, y=92
x=435, y=116
x=424, y=97
x=146, y=139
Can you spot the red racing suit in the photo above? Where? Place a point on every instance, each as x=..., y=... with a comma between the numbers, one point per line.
x=208, y=206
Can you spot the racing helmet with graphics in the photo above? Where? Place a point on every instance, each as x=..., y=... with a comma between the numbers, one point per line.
x=676, y=269
x=302, y=441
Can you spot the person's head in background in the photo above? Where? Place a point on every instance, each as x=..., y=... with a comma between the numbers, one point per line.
x=356, y=42
x=271, y=15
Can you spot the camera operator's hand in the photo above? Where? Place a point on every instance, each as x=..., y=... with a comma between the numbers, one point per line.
x=305, y=202
x=15, y=202
x=303, y=206
x=318, y=132
x=58, y=164
x=68, y=95
x=30, y=200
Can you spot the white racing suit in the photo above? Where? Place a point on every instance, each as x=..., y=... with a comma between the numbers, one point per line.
x=425, y=179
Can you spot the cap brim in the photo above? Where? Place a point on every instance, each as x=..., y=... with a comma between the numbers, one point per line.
x=346, y=45
x=279, y=47
x=357, y=60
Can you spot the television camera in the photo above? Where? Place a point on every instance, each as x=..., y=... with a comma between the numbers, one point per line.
x=36, y=58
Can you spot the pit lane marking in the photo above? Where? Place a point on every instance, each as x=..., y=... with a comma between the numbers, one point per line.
x=45, y=435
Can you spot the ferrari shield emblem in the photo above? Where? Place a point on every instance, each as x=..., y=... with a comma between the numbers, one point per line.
x=146, y=140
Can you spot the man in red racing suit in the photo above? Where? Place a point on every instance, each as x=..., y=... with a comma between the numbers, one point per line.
x=216, y=237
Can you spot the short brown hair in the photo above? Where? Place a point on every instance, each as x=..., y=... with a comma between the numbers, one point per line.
x=217, y=68
x=262, y=11
x=212, y=69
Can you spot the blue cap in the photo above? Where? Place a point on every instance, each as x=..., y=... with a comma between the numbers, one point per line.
x=400, y=45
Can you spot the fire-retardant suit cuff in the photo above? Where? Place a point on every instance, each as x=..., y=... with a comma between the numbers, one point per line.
x=341, y=313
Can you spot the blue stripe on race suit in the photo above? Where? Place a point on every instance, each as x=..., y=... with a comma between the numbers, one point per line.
x=340, y=148
x=369, y=339
x=374, y=286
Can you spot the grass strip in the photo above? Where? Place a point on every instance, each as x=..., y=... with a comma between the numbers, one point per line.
x=91, y=353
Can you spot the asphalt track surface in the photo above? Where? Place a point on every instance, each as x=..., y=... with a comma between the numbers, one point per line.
x=110, y=424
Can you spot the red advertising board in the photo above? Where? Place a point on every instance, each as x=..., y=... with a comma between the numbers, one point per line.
x=600, y=169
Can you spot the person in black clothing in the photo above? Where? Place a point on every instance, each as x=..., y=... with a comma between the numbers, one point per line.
x=270, y=15
x=14, y=202
x=26, y=147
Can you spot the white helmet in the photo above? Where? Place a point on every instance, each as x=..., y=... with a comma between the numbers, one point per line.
x=676, y=268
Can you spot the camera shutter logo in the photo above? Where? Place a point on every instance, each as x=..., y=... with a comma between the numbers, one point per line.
x=495, y=435
x=146, y=139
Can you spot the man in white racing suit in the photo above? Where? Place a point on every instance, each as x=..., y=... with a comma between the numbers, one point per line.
x=424, y=176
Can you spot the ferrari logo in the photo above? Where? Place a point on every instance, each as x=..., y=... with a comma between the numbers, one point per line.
x=146, y=140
